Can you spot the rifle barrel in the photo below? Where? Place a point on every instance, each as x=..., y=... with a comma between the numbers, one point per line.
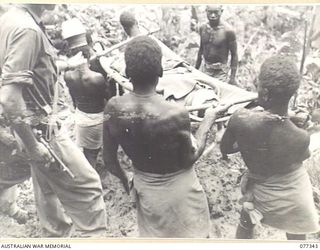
x=64, y=168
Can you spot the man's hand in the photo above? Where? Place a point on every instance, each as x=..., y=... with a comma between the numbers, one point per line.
x=222, y=108
x=219, y=110
x=41, y=156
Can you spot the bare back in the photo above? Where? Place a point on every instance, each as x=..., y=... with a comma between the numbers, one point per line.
x=268, y=143
x=88, y=90
x=155, y=134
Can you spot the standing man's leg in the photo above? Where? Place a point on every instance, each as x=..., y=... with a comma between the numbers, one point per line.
x=91, y=155
x=8, y=205
x=53, y=220
x=90, y=140
x=81, y=197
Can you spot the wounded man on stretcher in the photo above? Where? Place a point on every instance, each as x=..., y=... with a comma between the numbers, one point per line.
x=180, y=82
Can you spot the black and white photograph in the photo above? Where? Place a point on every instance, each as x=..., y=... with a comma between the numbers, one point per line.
x=162, y=121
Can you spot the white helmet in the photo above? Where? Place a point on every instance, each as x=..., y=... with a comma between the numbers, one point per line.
x=74, y=32
x=72, y=27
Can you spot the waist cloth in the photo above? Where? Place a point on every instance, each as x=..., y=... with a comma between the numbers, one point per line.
x=216, y=70
x=89, y=129
x=171, y=205
x=284, y=201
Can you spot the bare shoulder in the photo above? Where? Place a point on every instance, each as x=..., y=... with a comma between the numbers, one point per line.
x=239, y=116
x=177, y=116
x=111, y=110
x=249, y=118
x=227, y=27
x=68, y=75
x=117, y=103
x=176, y=109
x=97, y=79
x=202, y=28
x=229, y=30
x=113, y=104
x=300, y=135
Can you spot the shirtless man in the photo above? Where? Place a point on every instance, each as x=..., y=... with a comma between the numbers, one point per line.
x=129, y=24
x=216, y=41
x=276, y=189
x=184, y=90
x=155, y=134
x=88, y=90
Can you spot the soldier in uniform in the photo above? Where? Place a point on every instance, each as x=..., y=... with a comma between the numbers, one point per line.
x=29, y=96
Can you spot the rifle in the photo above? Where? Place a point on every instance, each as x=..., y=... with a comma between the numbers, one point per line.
x=62, y=166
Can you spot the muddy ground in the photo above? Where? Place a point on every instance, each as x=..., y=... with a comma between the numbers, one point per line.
x=265, y=27
x=219, y=178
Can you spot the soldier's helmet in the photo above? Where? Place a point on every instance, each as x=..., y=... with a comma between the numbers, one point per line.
x=74, y=32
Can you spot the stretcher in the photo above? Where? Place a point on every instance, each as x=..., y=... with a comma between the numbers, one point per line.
x=178, y=81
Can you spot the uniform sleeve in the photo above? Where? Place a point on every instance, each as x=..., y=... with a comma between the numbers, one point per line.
x=23, y=50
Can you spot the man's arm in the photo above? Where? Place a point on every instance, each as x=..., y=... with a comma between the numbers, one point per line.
x=210, y=116
x=14, y=110
x=201, y=135
x=232, y=43
x=110, y=149
x=23, y=49
x=228, y=144
x=200, y=52
x=68, y=79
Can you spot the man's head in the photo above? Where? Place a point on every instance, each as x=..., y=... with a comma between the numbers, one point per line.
x=214, y=13
x=279, y=79
x=74, y=32
x=40, y=8
x=128, y=20
x=143, y=61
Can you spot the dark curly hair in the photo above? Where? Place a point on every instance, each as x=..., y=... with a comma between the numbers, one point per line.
x=279, y=74
x=143, y=60
x=127, y=19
